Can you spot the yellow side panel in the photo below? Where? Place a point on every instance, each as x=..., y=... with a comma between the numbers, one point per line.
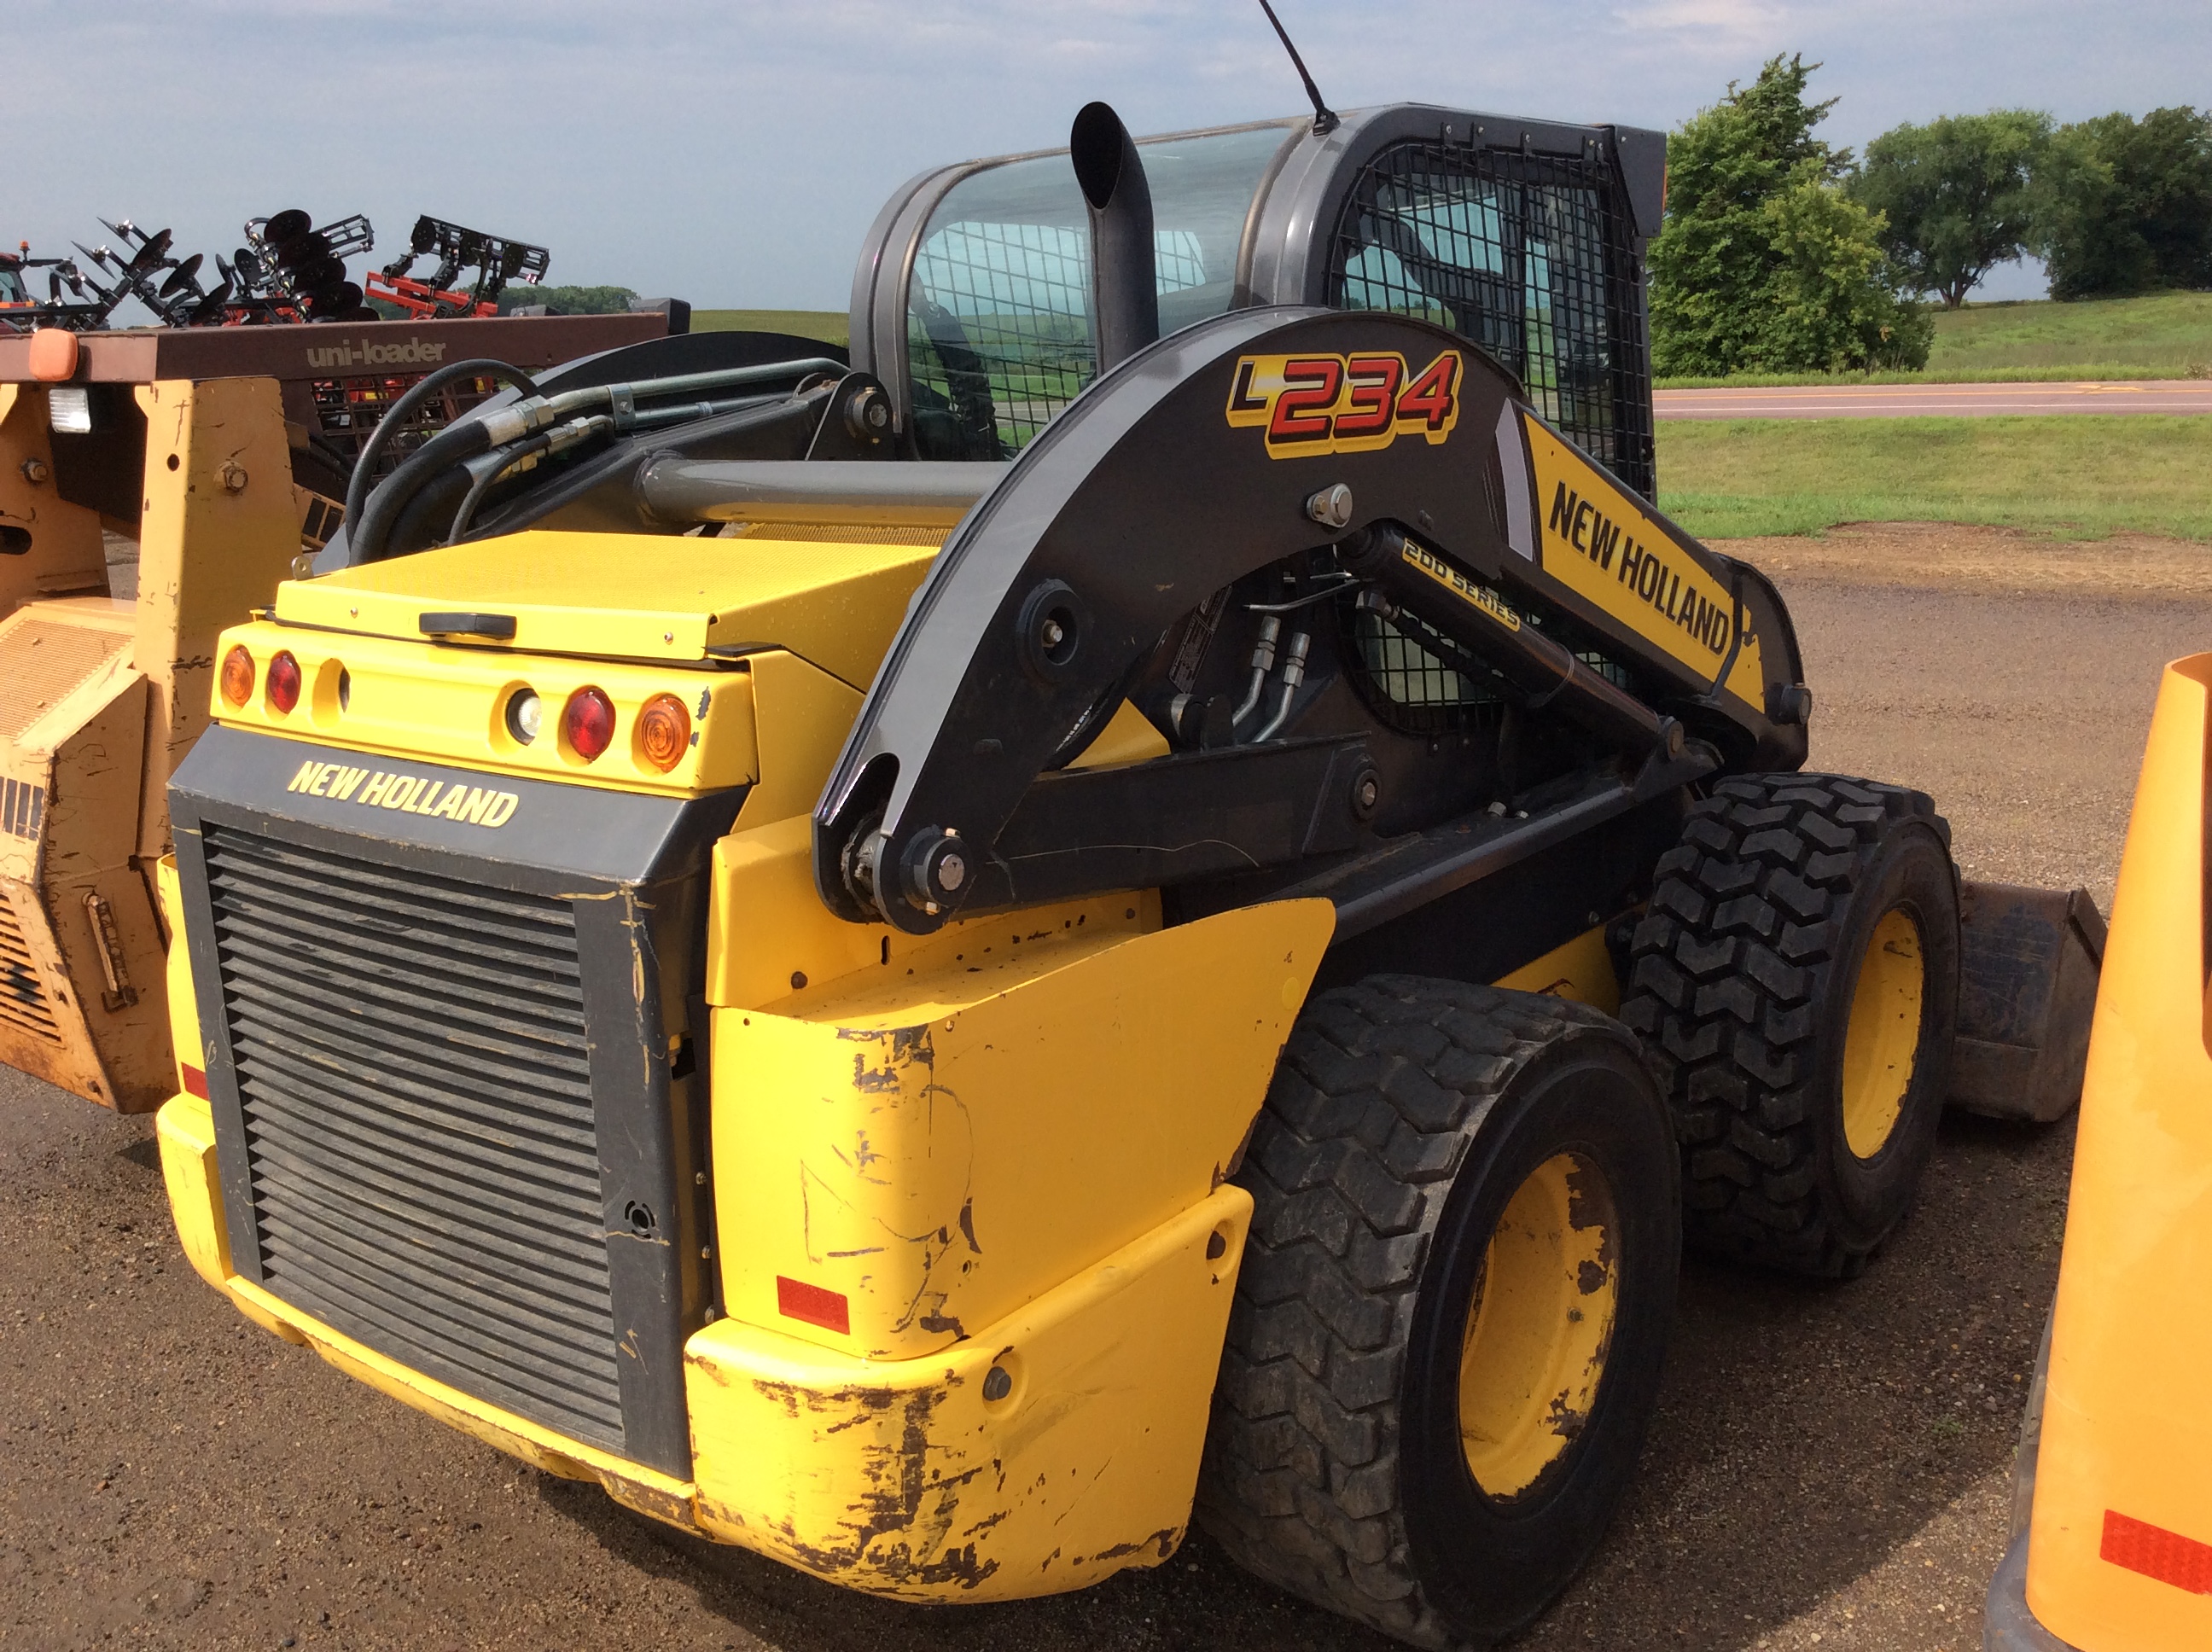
x=2121, y=1546
x=1602, y=545
x=803, y=715
x=185, y=1128
x=1582, y=971
x=639, y=596
x=913, y=1479
x=771, y=936
x=933, y=1149
x=184, y=1004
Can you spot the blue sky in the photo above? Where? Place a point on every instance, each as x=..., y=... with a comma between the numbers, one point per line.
x=733, y=154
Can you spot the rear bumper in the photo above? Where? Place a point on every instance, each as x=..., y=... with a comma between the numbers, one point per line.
x=2008, y=1625
x=913, y=1477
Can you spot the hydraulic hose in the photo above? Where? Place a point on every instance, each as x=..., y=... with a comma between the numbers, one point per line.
x=368, y=537
x=396, y=415
x=488, y=469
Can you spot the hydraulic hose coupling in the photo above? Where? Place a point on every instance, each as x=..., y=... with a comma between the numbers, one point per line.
x=1294, y=674
x=1263, y=661
x=526, y=416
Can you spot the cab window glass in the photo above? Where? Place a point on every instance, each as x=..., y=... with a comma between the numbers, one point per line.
x=998, y=326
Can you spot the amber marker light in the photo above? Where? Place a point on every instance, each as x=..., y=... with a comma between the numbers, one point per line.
x=238, y=674
x=283, y=681
x=589, y=723
x=664, y=731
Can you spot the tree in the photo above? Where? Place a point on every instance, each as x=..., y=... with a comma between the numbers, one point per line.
x=567, y=301
x=1764, y=264
x=1956, y=192
x=2123, y=205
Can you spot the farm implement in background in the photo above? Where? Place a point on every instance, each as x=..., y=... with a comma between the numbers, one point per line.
x=497, y=262
x=289, y=271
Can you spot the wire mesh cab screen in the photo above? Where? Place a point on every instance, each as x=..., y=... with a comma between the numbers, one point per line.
x=998, y=326
x=1528, y=255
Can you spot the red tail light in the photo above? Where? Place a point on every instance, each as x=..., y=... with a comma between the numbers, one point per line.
x=589, y=723
x=283, y=681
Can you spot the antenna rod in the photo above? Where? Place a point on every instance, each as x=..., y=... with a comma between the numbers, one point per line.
x=1325, y=119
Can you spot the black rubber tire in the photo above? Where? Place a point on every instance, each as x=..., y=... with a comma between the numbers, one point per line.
x=1741, y=984
x=1403, y=1115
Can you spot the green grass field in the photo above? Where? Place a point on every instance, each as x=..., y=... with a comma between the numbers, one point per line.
x=2077, y=477
x=2160, y=336
x=832, y=326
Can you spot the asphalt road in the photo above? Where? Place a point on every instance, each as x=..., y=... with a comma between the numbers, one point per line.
x=1828, y=1466
x=1950, y=401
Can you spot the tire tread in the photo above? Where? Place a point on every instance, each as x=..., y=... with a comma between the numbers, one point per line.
x=1384, y=1083
x=1725, y=967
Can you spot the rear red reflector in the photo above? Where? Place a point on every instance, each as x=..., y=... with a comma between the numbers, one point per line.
x=2156, y=1553
x=813, y=1304
x=195, y=1081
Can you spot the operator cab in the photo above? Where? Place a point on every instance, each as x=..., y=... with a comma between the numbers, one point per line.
x=971, y=301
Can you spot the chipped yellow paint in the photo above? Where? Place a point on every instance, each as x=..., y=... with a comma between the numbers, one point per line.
x=1533, y=1349
x=897, y=1478
x=2127, y=1428
x=907, y=1478
x=942, y=1139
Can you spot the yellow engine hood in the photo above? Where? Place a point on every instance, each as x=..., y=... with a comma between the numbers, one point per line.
x=835, y=602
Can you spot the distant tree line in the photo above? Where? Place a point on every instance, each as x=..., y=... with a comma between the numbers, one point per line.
x=567, y=301
x=1780, y=253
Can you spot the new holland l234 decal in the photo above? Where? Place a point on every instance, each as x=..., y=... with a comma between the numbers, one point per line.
x=1314, y=404
x=1601, y=545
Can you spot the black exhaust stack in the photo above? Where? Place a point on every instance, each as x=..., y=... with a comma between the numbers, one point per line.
x=1125, y=298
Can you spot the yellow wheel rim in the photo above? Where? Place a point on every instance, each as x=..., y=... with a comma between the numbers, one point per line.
x=1884, y=1033
x=1538, y=1326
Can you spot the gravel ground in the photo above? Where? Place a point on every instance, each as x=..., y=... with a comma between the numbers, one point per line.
x=1828, y=1467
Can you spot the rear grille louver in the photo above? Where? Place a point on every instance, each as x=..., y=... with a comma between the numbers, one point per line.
x=414, y=1078
x=23, y=1003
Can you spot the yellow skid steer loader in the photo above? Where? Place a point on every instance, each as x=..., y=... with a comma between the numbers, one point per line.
x=1166, y=890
